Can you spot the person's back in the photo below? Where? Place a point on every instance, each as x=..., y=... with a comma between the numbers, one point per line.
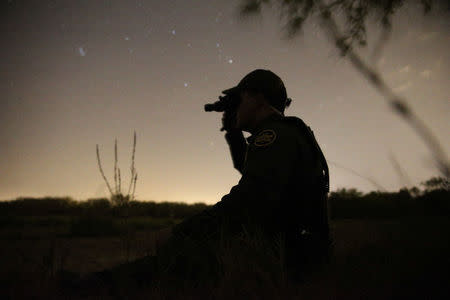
x=303, y=210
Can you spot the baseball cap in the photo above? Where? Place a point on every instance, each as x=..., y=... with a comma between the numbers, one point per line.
x=265, y=82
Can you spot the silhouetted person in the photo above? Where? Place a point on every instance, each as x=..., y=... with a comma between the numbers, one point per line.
x=282, y=192
x=284, y=184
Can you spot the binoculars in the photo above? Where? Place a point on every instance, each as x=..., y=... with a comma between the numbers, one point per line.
x=228, y=102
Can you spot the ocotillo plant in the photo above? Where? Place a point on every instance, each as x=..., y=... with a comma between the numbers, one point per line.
x=117, y=198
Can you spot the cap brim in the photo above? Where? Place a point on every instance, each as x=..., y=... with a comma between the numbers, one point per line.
x=232, y=90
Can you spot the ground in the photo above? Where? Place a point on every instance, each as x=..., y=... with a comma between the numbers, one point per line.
x=403, y=258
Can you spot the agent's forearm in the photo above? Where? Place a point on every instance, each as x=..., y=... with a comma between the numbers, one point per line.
x=238, y=147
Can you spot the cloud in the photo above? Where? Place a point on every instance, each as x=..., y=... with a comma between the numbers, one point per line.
x=403, y=87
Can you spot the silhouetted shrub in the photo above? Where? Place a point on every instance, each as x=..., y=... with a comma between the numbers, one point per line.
x=353, y=204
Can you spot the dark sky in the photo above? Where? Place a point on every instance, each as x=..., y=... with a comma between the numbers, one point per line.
x=79, y=73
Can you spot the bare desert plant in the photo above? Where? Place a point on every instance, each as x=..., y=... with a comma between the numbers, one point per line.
x=117, y=198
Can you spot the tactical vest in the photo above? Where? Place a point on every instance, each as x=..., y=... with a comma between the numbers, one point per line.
x=306, y=131
x=317, y=223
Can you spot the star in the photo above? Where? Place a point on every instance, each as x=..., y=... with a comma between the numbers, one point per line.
x=186, y=84
x=173, y=32
x=82, y=51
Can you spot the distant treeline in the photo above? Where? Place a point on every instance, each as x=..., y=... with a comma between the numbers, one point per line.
x=433, y=200
x=349, y=203
x=66, y=206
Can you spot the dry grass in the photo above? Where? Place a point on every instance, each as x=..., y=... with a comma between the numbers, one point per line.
x=373, y=259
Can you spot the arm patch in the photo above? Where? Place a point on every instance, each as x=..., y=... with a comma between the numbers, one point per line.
x=265, y=138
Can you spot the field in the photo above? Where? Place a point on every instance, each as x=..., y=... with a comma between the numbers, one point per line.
x=394, y=258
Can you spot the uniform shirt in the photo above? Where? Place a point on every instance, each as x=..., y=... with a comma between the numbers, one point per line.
x=277, y=189
x=280, y=171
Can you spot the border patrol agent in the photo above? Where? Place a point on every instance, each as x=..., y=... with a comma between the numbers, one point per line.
x=285, y=181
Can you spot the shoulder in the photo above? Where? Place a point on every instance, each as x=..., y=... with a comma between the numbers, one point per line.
x=276, y=139
x=282, y=130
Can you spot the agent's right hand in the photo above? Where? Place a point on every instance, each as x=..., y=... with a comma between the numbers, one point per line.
x=229, y=121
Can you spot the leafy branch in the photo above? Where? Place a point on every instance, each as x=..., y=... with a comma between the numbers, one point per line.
x=355, y=13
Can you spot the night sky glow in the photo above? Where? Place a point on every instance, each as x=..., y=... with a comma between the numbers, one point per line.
x=79, y=73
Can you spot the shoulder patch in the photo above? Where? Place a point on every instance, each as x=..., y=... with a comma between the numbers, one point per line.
x=265, y=138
